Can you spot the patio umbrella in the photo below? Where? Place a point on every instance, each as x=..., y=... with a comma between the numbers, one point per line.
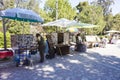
x=59, y=23
x=72, y=30
x=113, y=31
x=20, y=15
x=75, y=24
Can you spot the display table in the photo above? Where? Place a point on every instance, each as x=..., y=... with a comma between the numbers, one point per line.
x=23, y=55
x=62, y=49
x=6, y=53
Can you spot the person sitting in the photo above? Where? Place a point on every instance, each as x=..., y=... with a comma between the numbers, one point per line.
x=80, y=46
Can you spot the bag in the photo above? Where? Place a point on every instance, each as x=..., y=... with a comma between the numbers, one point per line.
x=51, y=53
x=26, y=62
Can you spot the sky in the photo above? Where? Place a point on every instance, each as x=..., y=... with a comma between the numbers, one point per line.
x=115, y=7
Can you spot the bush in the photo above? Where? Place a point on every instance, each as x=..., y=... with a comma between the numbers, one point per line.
x=8, y=40
x=1, y=40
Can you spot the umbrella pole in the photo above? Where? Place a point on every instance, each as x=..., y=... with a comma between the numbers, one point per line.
x=56, y=29
x=23, y=30
x=4, y=33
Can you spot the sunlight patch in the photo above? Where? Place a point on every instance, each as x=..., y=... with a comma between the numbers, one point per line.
x=89, y=57
x=5, y=75
x=74, y=61
x=60, y=65
x=48, y=68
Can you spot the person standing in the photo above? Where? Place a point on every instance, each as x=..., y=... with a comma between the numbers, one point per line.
x=41, y=46
x=104, y=41
x=78, y=39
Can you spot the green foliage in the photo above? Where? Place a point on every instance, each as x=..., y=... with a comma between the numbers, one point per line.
x=1, y=25
x=17, y=27
x=8, y=40
x=109, y=20
x=81, y=6
x=91, y=14
x=50, y=29
x=106, y=9
x=105, y=4
x=44, y=15
x=65, y=10
x=98, y=13
x=116, y=22
x=8, y=4
x=1, y=40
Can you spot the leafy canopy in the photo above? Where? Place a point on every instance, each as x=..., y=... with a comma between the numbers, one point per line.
x=64, y=9
x=91, y=14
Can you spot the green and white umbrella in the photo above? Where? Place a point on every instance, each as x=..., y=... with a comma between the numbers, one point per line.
x=72, y=30
x=20, y=15
x=75, y=24
x=59, y=23
x=113, y=31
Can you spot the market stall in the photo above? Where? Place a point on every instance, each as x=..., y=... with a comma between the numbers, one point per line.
x=19, y=14
x=61, y=38
x=62, y=47
x=60, y=41
x=22, y=44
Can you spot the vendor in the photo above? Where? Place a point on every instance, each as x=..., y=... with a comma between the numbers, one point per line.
x=41, y=46
x=80, y=46
x=78, y=39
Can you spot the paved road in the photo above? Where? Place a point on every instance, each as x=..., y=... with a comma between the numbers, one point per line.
x=95, y=64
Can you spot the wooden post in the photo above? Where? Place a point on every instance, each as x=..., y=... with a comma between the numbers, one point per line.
x=4, y=33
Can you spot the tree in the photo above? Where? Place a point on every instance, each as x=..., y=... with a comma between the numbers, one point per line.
x=13, y=26
x=116, y=22
x=108, y=19
x=91, y=14
x=8, y=4
x=2, y=40
x=44, y=15
x=20, y=3
x=64, y=9
x=16, y=27
x=1, y=4
x=105, y=4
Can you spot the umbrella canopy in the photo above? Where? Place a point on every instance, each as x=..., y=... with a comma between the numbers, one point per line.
x=20, y=15
x=75, y=24
x=113, y=31
x=59, y=23
x=72, y=30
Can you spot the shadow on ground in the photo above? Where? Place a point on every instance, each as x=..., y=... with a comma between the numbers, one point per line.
x=77, y=66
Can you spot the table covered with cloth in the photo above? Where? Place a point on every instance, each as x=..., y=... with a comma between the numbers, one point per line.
x=6, y=53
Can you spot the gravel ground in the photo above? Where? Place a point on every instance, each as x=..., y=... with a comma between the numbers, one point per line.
x=95, y=64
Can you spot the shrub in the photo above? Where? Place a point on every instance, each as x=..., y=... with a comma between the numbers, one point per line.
x=8, y=40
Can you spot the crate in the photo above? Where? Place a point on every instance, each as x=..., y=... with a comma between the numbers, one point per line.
x=62, y=49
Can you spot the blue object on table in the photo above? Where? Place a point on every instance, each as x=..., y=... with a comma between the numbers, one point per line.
x=21, y=55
